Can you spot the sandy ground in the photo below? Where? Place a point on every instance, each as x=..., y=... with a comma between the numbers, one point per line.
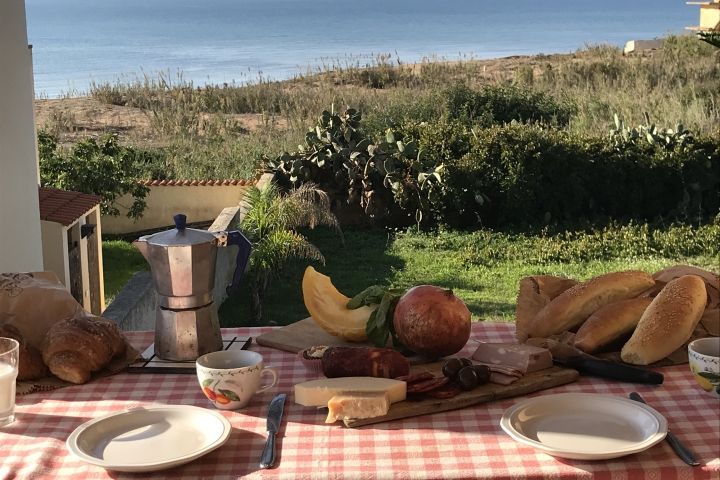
x=74, y=119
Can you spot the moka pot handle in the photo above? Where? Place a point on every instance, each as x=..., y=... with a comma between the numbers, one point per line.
x=237, y=238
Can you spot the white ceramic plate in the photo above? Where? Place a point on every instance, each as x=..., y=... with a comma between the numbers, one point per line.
x=584, y=426
x=149, y=438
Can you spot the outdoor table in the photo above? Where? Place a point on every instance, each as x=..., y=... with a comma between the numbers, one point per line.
x=465, y=443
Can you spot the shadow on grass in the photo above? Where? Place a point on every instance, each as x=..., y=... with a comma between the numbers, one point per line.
x=361, y=262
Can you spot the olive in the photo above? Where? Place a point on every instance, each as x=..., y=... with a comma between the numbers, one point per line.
x=451, y=368
x=467, y=378
x=483, y=373
x=466, y=362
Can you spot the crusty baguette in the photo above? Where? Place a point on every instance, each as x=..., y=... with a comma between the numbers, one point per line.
x=535, y=293
x=668, y=322
x=572, y=307
x=610, y=323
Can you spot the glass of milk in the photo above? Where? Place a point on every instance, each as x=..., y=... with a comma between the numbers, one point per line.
x=8, y=373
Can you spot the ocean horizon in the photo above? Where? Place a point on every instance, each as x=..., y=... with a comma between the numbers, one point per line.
x=76, y=42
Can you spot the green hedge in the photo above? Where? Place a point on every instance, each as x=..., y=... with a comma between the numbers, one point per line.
x=522, y=174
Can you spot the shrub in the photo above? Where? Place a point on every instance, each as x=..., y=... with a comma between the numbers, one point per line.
x=94, y=167
x=494, y=104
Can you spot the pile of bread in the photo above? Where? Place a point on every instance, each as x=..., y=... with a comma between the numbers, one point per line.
x=73, y=348
x=609, y=308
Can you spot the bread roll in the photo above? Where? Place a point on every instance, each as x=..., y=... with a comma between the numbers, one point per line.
x=534, y=294
x=76, y=347
x=572, y=307
x=30, y=362
x=668, y=322
x=610, y=323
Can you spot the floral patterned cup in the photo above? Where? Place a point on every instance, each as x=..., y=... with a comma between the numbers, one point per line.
x=229, y=378
x=704, y=356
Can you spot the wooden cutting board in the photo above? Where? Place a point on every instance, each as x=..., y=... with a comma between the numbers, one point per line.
x=307, y=333
x=532, y=382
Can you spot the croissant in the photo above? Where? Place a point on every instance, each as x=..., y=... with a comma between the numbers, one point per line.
x=76, y=347
x=30, y=362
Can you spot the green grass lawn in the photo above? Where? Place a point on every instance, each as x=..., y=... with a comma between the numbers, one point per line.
x=121, y=260
x=479, y=271
x=407, y=259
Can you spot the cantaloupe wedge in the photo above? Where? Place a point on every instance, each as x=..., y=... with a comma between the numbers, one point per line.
x=327, y=307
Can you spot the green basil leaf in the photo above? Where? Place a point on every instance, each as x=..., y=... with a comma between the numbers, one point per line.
x=207, y=382
x=377, y=332
x=391, y=325
x=368, y=296
x=710, y=376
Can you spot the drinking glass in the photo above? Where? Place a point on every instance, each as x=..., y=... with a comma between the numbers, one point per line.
x=8, y=373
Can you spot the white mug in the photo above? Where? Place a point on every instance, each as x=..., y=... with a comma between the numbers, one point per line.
x=704, y=359
x=229, y=378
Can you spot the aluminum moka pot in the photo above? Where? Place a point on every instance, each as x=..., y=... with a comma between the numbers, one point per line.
x=182, y=261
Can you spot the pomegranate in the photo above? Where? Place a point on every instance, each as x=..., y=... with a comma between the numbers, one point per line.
x=432, y=321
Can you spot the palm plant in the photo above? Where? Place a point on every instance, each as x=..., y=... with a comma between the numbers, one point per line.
x=271, y=222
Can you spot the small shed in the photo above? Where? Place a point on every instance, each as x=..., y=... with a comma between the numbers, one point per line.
x=709, y=16
x=72, y=243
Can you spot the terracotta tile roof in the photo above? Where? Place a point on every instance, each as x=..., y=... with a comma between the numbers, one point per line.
x=178, y=183
x=61, y=206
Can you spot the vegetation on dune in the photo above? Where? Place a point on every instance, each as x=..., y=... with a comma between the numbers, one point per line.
x=200, y=133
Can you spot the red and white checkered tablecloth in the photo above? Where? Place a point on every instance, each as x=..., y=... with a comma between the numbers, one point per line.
x=467, y=443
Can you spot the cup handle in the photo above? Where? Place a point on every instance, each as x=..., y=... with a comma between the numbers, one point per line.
x=274, y=372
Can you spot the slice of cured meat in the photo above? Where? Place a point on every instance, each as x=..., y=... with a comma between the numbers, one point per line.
x=415, y=377
x=502, y=379
x=527, y=358
x=449, y=390
x=427, y=385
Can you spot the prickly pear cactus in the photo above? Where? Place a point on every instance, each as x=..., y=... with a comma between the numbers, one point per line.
x=336, y=154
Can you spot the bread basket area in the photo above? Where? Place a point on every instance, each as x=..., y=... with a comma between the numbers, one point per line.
x=625, y=317
x=60, y=343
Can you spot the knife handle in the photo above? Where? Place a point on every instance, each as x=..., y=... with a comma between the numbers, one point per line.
x=682, y=451
x=616, y=371
x=267, y=459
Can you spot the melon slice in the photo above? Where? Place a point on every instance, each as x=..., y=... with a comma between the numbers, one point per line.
x=327, y=307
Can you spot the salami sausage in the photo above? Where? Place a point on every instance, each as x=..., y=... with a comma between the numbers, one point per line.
x=363, y=362
x=427, y=385
x=415, y=377
x=449, y=390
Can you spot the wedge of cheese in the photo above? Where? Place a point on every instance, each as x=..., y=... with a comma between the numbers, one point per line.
x=357, y=405
x=317, y=393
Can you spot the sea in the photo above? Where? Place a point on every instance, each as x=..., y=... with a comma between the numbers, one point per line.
x=76, y=42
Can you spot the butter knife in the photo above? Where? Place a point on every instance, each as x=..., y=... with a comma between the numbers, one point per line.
x=683, y=452
x=614, y=371
x=267, y=459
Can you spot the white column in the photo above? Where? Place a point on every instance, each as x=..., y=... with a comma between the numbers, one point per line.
x=20, y=240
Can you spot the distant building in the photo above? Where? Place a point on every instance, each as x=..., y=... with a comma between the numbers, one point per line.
x=709, y=16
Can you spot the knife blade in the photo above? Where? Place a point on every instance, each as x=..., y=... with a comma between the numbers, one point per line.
x=682, y=451
x=614, y=371
x=275, y=412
